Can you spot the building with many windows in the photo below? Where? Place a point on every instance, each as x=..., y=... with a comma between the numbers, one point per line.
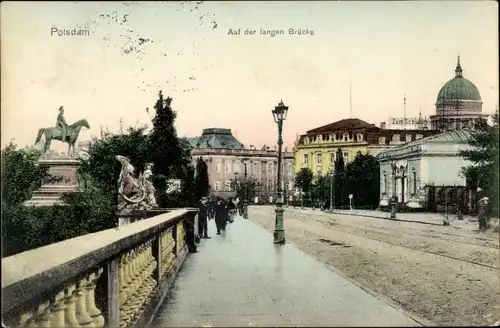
x=316, y=149
x=226, y=157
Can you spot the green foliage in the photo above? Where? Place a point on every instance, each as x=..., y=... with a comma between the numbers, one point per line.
x=201, y=179
x=362, y=180
x=321, y=188
x=21, y=175
x=484, y=156
x=102, y=165
x=167, y=153
x=249, y=188
x=340, y=192
x=304, y=180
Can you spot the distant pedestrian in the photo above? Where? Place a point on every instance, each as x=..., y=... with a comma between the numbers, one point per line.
x=483, y=213
x=220, y=216
x=203, y=218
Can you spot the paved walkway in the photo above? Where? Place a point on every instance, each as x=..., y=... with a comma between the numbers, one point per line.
x=240, y=279
x=468, y=223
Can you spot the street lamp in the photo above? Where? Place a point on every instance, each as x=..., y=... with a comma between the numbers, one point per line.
x=279, y=114
x=332, y=187
x=245, y=200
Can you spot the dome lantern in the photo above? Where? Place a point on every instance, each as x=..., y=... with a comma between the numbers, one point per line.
x=458, y=70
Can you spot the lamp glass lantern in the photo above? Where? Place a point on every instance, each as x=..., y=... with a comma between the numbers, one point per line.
x=280, y=112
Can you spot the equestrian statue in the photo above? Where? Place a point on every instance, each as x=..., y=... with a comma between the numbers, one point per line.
x=135, y=193
x=62, y=132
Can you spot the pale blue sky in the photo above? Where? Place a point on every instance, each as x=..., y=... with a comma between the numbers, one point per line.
x=387, y=49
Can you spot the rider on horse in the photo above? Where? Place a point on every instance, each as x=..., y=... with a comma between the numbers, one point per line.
x=61, y=124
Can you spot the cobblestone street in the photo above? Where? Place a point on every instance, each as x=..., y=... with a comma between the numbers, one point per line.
x=446, y=275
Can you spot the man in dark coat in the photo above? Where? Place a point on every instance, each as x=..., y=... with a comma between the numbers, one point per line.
x=203, y=218
x=220, y=216
x=483, y=213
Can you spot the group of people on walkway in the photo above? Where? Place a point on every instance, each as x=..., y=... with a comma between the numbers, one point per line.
x=221, y=210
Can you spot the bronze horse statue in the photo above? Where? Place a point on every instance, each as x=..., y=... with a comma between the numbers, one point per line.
x=53, y=133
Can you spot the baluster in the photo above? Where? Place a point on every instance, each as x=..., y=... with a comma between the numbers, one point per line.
x=58, y=311
x=43, y=321
x=82, y=316
x=92, y=309
x=135, y=271
x=121, y=282
x=24, y=320
x=70, y=314
x=128, y=275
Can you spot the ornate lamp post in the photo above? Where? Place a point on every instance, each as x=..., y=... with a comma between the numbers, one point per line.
x=279, y=114
x=245, y=200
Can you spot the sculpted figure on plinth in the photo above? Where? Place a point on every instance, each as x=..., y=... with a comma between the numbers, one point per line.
x=147, y=182
x=62, y=132
x=134, y=194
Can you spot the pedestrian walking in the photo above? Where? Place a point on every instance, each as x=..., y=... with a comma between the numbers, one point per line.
x=220, y=216
x=483, y=213
x=203, y=218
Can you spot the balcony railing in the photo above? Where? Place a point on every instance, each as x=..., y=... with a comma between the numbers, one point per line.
x=112, y=278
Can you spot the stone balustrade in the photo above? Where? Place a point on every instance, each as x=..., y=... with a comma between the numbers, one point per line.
x=112, y=278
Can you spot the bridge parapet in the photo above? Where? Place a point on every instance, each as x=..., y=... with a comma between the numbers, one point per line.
x=112, y=278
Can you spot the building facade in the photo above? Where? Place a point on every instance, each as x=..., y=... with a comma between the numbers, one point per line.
x=425, y=174
x=458, y=104
x=316, y=149
x=226, y=158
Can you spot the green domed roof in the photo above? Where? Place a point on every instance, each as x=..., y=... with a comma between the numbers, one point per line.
x=458, y=88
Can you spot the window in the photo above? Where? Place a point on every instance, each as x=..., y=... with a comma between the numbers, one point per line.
x=360, y=137
x=290, y=185
x=305, y=159
x=408, y=137
x=346, y=157
x=270, y=185
x=290, y=169
x=346, y=136
x=332, y=158
x=418, y=136
x=255, y=168
x=217, y=185
x=228, y=166
x=318, y=159
x=228, y=185
x=381, y=140
x=218, y=167
x=270, y=168
x=237, y=167
x=395, y=138
x=318, y=172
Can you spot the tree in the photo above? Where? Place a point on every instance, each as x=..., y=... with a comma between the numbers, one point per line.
x=165, y=150
x=321, y=188
x=246, y=188
x=21, y=175
x=339, y=178
x=102, y=165
x=483, y=172
x=362, y=180
x=304, y=179
x=201, y=179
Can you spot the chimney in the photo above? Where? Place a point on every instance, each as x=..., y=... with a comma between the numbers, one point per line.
x=382, y=125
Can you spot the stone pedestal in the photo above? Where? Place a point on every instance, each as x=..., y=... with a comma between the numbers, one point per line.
x=63, y=178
